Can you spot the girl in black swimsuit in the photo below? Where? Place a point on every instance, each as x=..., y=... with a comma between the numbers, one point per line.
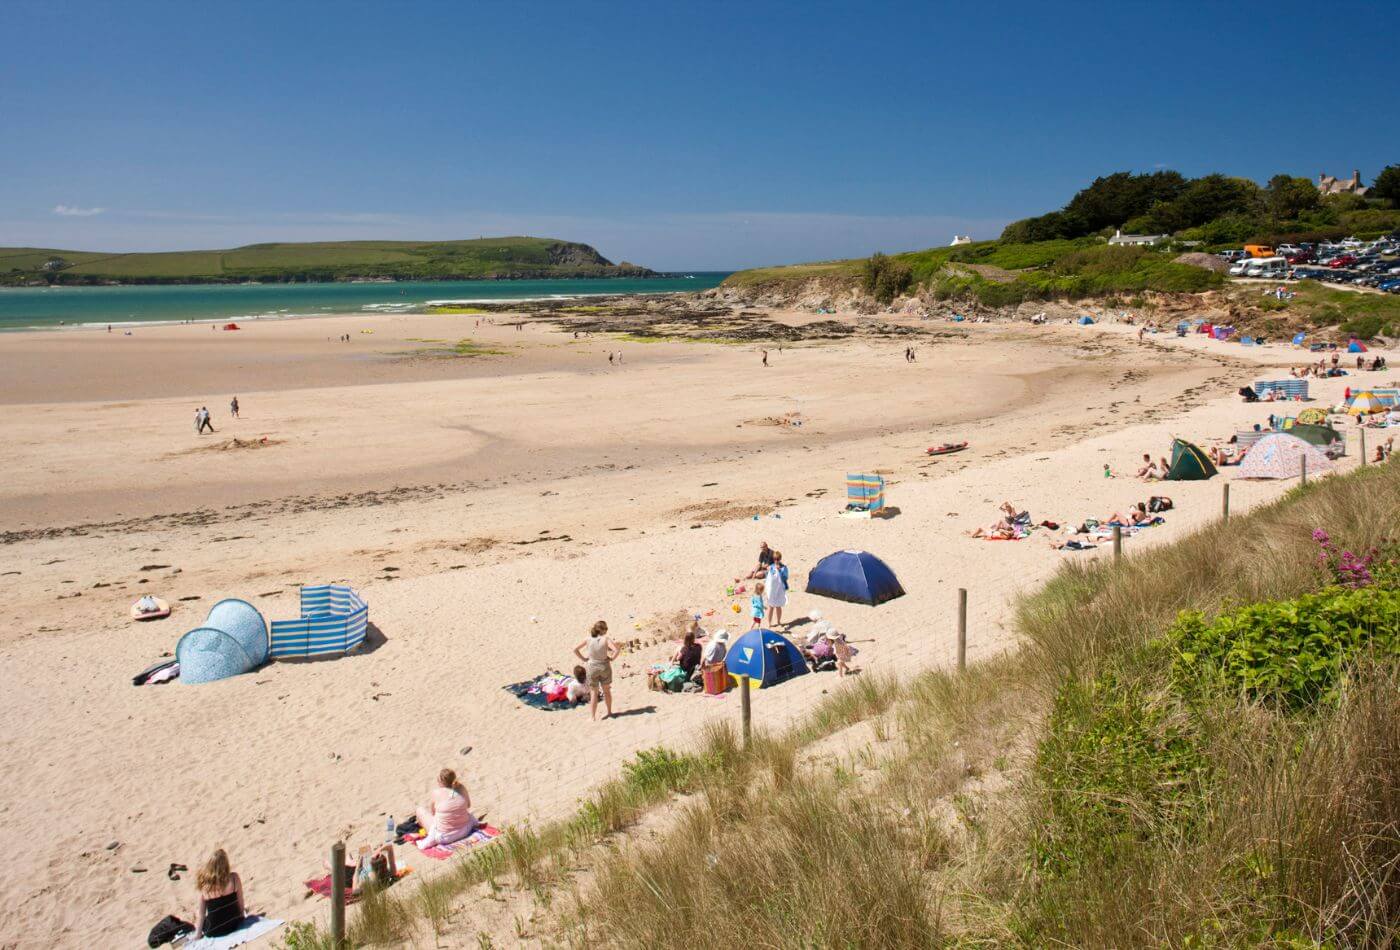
x=221, y=909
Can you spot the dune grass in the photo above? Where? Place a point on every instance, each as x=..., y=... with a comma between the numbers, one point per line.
x=1074, y=793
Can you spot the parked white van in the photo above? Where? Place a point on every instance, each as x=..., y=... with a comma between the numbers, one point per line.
x=1269, y=267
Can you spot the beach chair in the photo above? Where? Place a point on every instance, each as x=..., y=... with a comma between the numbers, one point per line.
x=865, y=496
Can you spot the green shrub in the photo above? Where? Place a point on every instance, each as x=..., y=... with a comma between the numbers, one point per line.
x=659, y=770
x=885, y=278
x=1289, y=653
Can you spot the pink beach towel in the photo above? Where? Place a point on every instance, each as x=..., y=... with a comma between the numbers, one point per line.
x=441, y=852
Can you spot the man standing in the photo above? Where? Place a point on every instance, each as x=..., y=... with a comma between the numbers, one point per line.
x=204, y=419
x=233, y=407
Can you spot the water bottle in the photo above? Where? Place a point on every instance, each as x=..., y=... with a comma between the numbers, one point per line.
x=389, y=826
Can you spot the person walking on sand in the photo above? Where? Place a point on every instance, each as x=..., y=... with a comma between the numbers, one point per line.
x=204, y=421
x=597, y=653
x=610, y=357
x=233, y=406
x=765, y=357
x=776, y=585
x=198, y=420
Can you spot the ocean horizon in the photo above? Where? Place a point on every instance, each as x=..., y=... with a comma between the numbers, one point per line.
x=30, y=308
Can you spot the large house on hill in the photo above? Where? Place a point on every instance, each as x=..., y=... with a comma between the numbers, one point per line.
x=1336, y=186
x=1137, y=240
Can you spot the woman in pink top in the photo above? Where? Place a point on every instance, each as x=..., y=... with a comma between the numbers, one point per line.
x=446, y=816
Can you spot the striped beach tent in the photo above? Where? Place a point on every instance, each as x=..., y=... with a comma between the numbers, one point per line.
x=1364, y=402
x=865, y=493
x=333, y=620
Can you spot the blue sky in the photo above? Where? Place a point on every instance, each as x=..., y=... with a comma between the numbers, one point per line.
x=702, y=135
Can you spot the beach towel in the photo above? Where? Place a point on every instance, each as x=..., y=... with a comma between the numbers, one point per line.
x=322, y=886
x=253, y=928
x=537, y=692
x=480, y=834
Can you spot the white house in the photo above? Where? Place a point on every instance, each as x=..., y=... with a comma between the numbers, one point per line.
x=1137, y=240
x=961, y=239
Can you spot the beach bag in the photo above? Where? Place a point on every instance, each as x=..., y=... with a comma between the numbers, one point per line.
x=167, y=930
x=1159, y=503
x=716, y=677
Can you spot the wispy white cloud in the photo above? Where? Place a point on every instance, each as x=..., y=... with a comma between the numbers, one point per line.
x=73, y=211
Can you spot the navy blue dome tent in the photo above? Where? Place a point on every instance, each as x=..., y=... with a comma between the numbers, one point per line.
x=765, y=657
x=857, y=576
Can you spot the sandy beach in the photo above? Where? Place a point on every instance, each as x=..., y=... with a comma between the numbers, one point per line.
x=491, y=492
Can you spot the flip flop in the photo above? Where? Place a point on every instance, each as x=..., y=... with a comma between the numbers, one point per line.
x=174, y=872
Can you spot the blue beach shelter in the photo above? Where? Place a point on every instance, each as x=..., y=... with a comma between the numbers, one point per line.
x=1298, y=338
x=765, y=657
x=1086, y=320
x=233, y=640
x=857, y=576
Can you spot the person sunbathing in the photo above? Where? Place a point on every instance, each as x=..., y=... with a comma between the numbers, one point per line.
x=374, y=868
x=1003, y=530
x=446, y=816
x=1137, y=515
x=221, y=907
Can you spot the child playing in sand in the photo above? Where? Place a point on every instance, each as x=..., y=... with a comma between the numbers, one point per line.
x=756, y=604
x=1107, y=472
x=843, y=654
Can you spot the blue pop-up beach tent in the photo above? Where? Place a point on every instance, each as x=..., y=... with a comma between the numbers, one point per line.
x=857, y=576
x=765, y=657
x=1086, y=320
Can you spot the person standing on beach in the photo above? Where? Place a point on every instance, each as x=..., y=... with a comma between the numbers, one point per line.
x=233, y=406
x=597, y=653
x=198, y=420
x=765, y=357
x=610, y=357
x=204, y=420
x=775, y=586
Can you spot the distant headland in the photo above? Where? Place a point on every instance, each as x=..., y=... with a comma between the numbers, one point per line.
x=501, y=258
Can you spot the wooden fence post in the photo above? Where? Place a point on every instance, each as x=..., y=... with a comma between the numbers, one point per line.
x=1363, y=446
x=338, y=895
x=1304, y=460
x=962, y=629
x=1225, y=501
x=746, y=709
x=1117, y=543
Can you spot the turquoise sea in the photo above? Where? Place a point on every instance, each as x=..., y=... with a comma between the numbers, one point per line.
x=51, y=307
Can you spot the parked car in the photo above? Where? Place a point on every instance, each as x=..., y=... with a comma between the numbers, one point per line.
x=1341, y=260
x=1299, y=256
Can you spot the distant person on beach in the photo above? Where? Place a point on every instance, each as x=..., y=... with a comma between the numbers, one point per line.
x=598, y=653
x=1149, y=467
x=843, y=652
x=756, y=605
x=198, y=420
x=233, y=406
x=204, y=421
x=221, y=907
x=776, y=585
x=765, y=357
x=577, y=690
x=717, y=648
x=447, y=814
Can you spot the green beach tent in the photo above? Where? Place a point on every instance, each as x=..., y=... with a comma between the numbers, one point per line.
x=1189, y=463
x=1320, y=436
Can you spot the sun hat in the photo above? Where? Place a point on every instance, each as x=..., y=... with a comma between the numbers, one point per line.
x=721, y=635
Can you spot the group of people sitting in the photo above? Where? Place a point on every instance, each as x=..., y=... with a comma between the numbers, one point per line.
x=827, y=649
x=444, y=818
x=688, y=663
x=1152, y=471
x=1010, y=526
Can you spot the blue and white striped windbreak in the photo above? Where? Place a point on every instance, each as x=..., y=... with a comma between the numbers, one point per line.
x=1288, y=388
x=333, y=620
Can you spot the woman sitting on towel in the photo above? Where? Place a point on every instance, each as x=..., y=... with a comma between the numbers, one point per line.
x=221, y=909
x=447, y=814
x=1136, y=515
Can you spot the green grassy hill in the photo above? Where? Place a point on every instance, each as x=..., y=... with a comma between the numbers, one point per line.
x=996, y=273
x=483, y=258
